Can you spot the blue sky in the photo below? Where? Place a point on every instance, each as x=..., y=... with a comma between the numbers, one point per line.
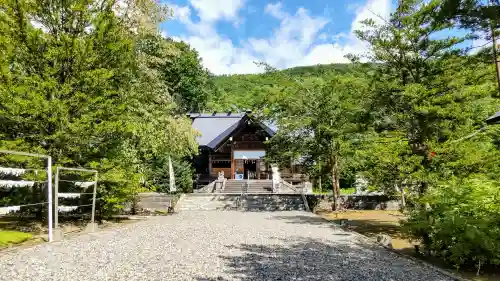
x=231, y=35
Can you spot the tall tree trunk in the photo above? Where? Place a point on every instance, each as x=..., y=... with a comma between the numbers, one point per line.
x=335, y=185
x=496, y=60
x=493, y=24
x=400, y=188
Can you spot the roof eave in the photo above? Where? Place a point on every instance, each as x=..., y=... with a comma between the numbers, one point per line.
x=494, y=119
x=219, y=140
x=268, y=130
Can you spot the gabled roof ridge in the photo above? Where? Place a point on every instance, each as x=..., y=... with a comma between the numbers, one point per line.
x=216, y=127
x=228, y=114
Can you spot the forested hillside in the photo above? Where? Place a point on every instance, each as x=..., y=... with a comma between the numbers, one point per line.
x=248, y=91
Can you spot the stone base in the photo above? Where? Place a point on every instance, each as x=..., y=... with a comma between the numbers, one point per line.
x=57, y=234
x=91, y=227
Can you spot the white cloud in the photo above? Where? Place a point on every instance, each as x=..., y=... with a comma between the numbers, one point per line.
x=221, y=56
x=480, y=43
x=325, y=53
x=181, y=13
x=290, y=41
x=299, y=39
x=212, y=10
x=378, y=10
x=275, y=10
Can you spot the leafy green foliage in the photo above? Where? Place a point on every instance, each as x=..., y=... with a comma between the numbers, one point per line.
x=87, y=84
x=324, y=135
x=462, y=221
x=256, y=91
x=96, y=86
x=183, y=175
x=430, y=100
x=480, y=19
x=423, y=89
x=471, y=14
x=318, y=70
x=187, y=79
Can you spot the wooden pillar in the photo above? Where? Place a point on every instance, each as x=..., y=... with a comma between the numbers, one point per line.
x=232, y=162
x=257, y=169
x=209, y=164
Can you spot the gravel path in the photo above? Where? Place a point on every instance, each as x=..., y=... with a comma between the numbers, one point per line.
x=210, y=246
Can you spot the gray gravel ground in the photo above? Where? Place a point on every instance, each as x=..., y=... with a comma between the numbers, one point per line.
x=209, y=246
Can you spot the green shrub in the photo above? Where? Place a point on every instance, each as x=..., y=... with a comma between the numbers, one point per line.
x=460, y=222
x=183, y=173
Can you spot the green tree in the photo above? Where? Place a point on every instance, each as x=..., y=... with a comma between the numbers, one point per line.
x=420, y=86
x=434, y=97
x=481, y=18
x=183, y=174
x=462, y=221
x=319, y=123
x=188, y=81
x=80, y=81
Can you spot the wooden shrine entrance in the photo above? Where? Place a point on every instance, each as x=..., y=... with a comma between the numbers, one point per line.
x=238, y=152
x=245, y=149
x=249, y=164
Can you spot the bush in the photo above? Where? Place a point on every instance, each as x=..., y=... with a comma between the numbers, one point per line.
x=460, y=222
x=183, y=173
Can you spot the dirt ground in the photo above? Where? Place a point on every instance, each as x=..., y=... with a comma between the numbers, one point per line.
x=371, y=223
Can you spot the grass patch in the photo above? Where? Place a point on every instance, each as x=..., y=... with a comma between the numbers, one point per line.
x=8, y=237
x=343, y=191
x=347, y=191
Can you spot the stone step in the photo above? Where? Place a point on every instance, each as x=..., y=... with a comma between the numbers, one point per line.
x=250, y=191
x=242, y=203
x=249, y=188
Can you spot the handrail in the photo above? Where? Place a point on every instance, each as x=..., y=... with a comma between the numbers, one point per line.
x=304, y=198
x=290, y=186
x=223, y=184
x=209, y=188
x=244, y=188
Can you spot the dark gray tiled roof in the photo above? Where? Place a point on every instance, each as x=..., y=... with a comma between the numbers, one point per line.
x=271, y=125
x=214, y=115
x=212, y=127
x=215, y=127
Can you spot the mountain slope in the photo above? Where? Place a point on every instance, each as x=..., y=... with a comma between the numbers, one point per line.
x=248, y=91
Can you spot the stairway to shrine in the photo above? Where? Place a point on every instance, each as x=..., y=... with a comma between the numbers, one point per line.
x=248, y=202
x=249, y=186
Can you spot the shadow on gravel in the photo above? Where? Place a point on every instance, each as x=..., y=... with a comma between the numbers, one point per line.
x=300, y=219
x=309, y=259
x=312, y=220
